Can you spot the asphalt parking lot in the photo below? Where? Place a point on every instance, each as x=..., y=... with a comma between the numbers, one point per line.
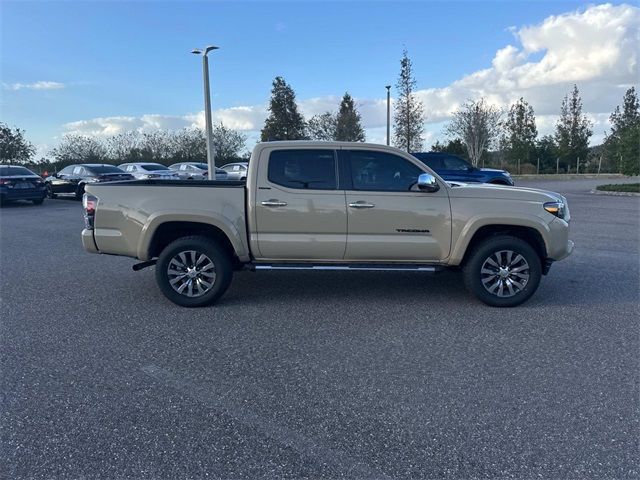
x=318, y=374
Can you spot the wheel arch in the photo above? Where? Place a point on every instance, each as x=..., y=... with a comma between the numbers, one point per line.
x=160, y=233
x=533, y=235
x=498, y=181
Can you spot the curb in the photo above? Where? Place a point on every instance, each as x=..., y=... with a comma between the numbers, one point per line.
x=616, y=194
x=568, y=176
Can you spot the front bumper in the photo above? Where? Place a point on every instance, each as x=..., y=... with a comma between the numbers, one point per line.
x=560, y=246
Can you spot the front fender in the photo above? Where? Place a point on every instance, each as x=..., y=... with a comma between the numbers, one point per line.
x=476, y=223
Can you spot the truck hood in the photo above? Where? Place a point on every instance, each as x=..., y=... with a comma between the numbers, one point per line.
x=492, y=170
x=486, y=190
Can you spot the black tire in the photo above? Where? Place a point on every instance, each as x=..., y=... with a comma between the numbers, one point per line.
x=79, y=192
x=50, y=193
x=38, y=201
x=222, y=269
x=494, y=249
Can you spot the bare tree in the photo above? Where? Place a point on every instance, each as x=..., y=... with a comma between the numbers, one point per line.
x=408, y=120
x=157, y=146
x=189, y=145
x=322, y=126
x=79, y=149
x=228, y=144
x=124, y=147
x=478, y=125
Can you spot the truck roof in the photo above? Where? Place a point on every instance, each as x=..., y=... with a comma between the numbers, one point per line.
x=321, y=143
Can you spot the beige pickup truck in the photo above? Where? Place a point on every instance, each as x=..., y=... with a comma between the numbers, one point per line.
x=329, y=206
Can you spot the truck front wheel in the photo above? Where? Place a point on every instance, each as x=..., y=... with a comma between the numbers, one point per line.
x=193, y=271
x=503, y=271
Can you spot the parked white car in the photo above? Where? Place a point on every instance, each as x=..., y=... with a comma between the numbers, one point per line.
x=196, y=171
x=144, y=171
x=237, y=170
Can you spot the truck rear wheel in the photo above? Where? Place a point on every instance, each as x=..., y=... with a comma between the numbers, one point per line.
x=193, y=271
x=503, y=271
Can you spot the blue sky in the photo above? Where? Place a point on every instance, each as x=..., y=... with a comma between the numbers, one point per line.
x=131, y=59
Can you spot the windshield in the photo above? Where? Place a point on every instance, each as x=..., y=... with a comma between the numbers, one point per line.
x=150, y=167
x=201, y=166
x=104, y=169
x=11, y=171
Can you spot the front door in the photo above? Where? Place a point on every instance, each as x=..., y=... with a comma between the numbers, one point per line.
x=64, y=181
x=300, y=213
x=388, y=218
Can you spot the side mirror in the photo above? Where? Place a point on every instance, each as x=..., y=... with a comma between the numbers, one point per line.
x=428, y=183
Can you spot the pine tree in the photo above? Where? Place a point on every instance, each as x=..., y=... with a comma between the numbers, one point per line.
x=572, y=130
x=408, y=112
x=284, y=121
x=623, y=143
x=519, y=142
x=348, y=127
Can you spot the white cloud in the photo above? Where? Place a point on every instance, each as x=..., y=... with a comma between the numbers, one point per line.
x=40, y=85
x=596, y=48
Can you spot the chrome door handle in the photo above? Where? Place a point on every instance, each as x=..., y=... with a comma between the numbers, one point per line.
x=361, y=205
x=274, y=203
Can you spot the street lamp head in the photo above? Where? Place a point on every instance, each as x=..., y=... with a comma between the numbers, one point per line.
x=209, y=48
x=387, y=87
x=196, y=51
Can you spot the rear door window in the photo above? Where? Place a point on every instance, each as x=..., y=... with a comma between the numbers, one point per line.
x=304, y=169
x=455, y=163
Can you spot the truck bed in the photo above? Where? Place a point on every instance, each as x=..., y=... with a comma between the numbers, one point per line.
x=128, y=213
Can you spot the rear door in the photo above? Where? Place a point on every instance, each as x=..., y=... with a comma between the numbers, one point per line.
x=389, y=219
x=300, y=213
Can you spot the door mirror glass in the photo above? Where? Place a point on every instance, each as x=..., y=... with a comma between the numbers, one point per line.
x=428, y=183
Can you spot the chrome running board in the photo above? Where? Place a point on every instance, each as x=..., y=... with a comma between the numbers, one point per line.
x=352, y=266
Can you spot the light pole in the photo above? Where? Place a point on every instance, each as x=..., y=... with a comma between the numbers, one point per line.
x=207, y=108
x=388, y=87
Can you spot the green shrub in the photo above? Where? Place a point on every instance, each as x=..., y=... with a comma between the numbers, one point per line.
x=620, y=187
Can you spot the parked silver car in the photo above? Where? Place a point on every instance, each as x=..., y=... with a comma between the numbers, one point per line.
x=145, y=170
x=237, y=170
x=196, y=171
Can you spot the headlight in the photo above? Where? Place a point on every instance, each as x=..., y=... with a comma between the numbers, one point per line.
x=559, y=209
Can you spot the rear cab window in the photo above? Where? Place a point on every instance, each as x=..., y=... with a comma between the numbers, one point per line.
x=303, y=169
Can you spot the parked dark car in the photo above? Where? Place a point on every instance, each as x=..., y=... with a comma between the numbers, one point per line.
x=453, y=168
x=72, y=179
x=20, y=183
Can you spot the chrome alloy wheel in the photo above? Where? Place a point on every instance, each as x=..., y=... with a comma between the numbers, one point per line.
x=191, y=273
x=505, y=273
